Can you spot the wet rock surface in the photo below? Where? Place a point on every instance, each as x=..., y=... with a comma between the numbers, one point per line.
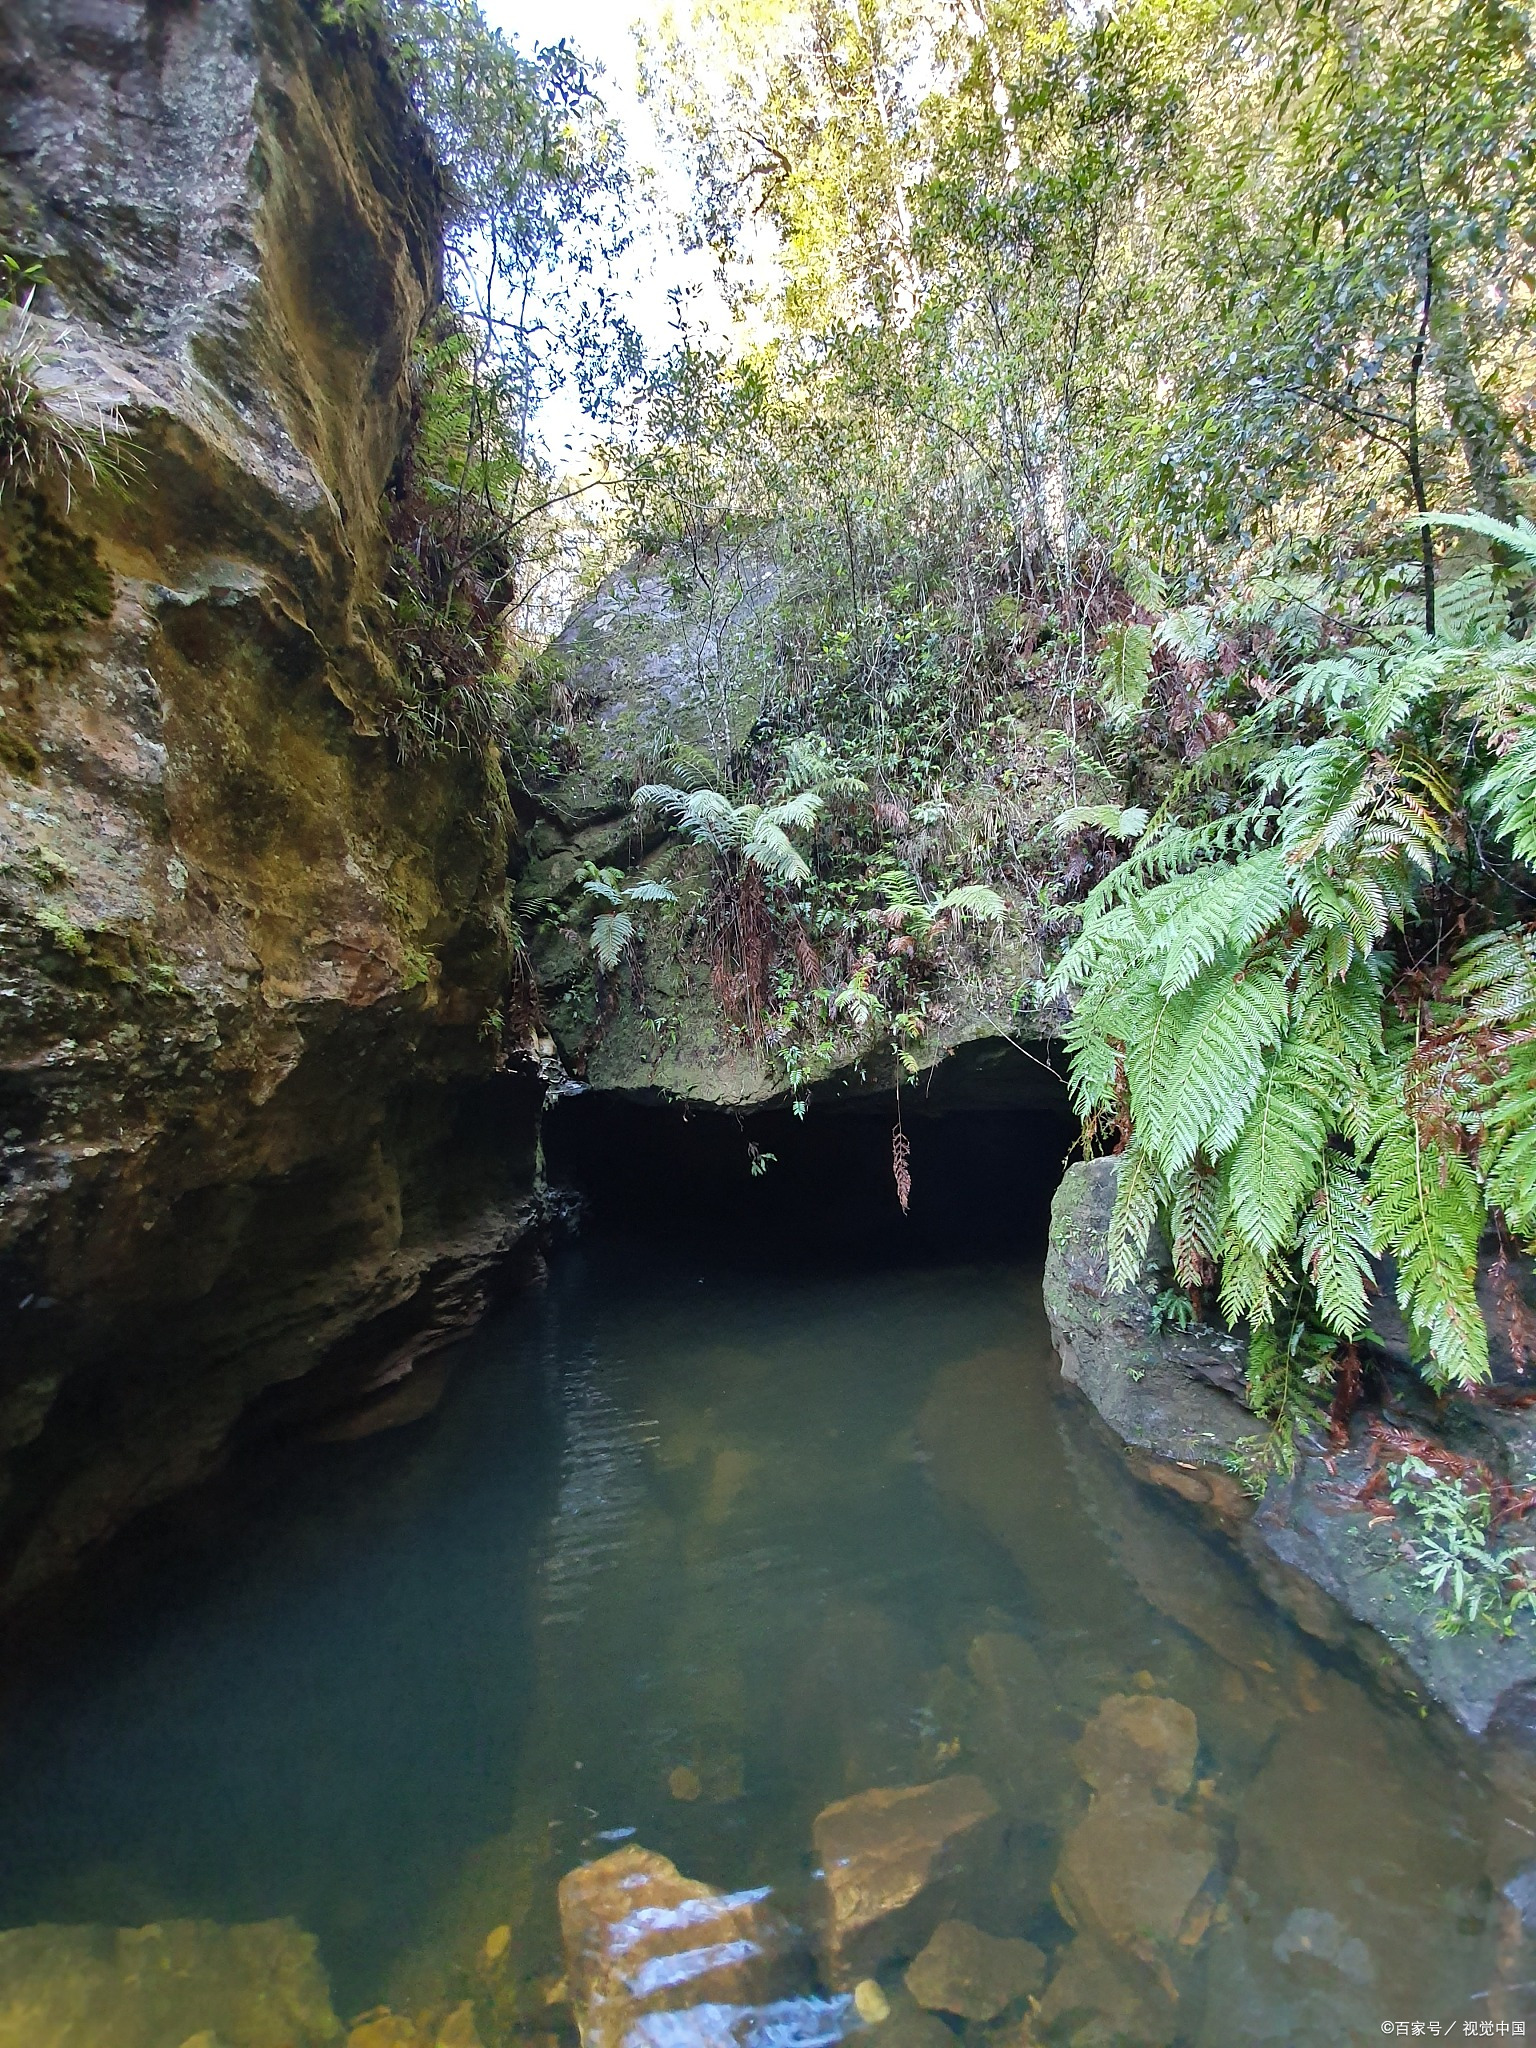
x=1315, y=1522
x=653, y=1955
x=895, y=1859
x=1168, y=1391
x=973, y=1974
x=257, y=1986
x=254, y=964
x=1317, y=1546
x=1139, y=1740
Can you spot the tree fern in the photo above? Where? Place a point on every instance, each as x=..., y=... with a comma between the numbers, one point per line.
x=1237, y=984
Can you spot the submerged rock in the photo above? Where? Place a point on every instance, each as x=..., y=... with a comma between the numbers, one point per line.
x=1140, y=1739
x=912, y=2027
x=254, y=1986
x=895, y=1858
x=1099, y=1998
x=1134, y=1867
x=1360, y=1871
x=973, y=1974
x=1014, y=1729
x=641, y=1940
x=386, y=2029
x=785, y=2023
x=870, y=2002
x=1131, y=1869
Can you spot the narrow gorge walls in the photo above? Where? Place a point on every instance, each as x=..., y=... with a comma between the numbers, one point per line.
x=253, y=967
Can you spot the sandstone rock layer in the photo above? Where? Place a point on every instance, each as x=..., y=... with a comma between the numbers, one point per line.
x=252, y=963
x=643, y=1940
x=895, y=1859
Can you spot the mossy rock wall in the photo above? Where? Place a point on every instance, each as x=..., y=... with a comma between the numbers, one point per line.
x=668, y=670
x=251, y=1129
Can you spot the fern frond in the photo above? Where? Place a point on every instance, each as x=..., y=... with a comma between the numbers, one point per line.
x=1472, y=610
x=650, y=892
x=1188, y=634
x=1495, y=976
x=1109, y=819
x=1143, y=582
x=1196, y=1211
x=1139, y=1193
x=1520, y=539
x=1336, y=1245
x=1194, y=1075
x=796, y=813
x=1508, y=793
x=1429, y=1215
x=1251, y=1285
x=1124, y=664
x=768, y=847
x=972, y=903
x=1228, y=909
x=662, y=797
x=1277, y=1160
x=612, y=936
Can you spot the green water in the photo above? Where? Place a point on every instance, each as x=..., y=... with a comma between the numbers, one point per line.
x=690, y=1551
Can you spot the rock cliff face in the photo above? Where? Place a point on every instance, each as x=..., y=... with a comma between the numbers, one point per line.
x=253, y=968
x=666, y=672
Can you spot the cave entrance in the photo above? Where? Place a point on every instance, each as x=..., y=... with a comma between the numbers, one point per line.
x=987, y=1136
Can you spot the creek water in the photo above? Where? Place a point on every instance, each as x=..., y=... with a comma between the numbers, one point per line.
x=693, y=1547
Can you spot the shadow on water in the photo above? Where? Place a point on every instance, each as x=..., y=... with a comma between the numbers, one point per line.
x=768, y=1498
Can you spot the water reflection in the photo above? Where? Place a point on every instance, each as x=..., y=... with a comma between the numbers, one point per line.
x=867, y=1684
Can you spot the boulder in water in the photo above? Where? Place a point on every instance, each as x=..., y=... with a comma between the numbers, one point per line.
x=254, y=1986
x=641, y=1939
x=1142, y=1740
x=895, y=1858
x=1100, y=1998
x=1132, y=1868
x=973, y=1974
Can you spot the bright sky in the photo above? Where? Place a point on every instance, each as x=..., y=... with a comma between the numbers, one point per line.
x=656, y=261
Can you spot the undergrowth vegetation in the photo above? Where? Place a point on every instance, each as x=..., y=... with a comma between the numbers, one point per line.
x=51, y=432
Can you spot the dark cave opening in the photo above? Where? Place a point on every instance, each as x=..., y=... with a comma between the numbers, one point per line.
x=987, y=1136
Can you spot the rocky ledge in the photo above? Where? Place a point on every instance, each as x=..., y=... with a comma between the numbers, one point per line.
x=1318, y=1537
x=254, y=967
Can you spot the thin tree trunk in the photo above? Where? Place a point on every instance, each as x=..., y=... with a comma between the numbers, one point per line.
x=1415, y=451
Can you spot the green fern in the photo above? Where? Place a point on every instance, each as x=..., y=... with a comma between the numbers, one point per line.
x=1124, y=665
x=755, y=833
x=1234, y=1007
x=614, y=931
x=613, y=934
